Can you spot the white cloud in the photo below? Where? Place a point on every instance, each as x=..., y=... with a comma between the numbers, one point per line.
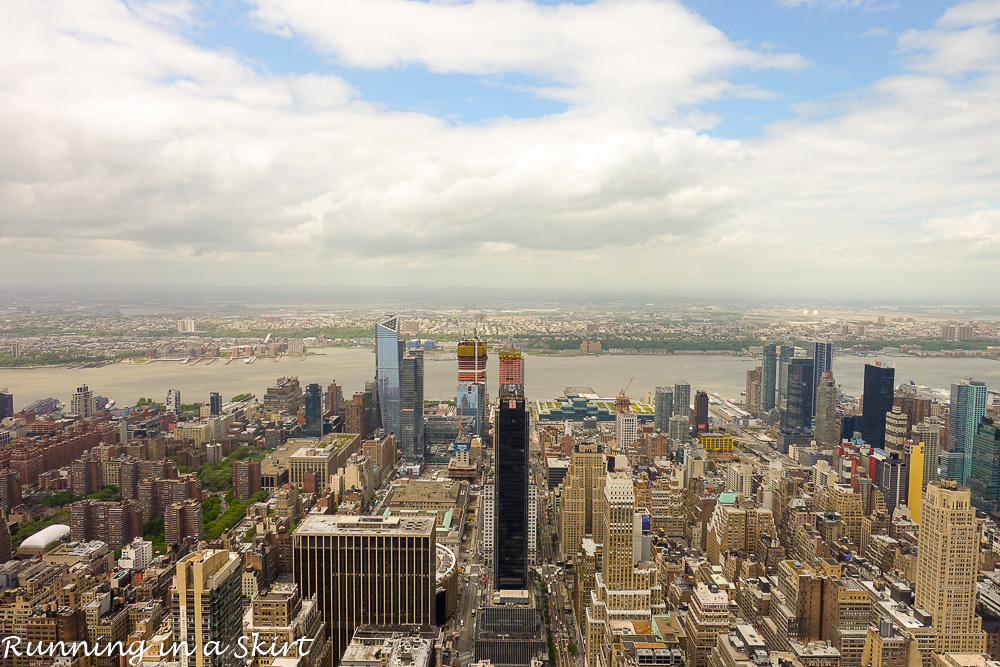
x=867, y=5
x=647, y=56
x=134, y=154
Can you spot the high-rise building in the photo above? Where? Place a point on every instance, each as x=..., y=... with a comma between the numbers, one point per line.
x=246, y=478
x=822, y=354
x=472, y=360
x=701, y=419
x=511, y=367
x=682, y=399
x=10, y=490
x=183, y=520
x=929, y=433
x=284, y=397
x=706, y=620
x=366, y=569
x=313, y=428
x=753, y=390
x=626, y=428
x=174, y=401
x=892, y=478
x=915, y=467
x=768, y=378
x=470, y=401
x=6, y=404
x=280, y=616
x=948, y=563
x=663, y=408
x=333, y=399
x=388, y=359
x=984, y=477
x=878, y=400
x=968, y=406
x=511, y=483
x=796, y=396
x=412, y=407
x=827, y=430
x=83, y=402
x=205, y=597
x=896, y=426
x=215, y=403
x=785, y=354
x=580, y=503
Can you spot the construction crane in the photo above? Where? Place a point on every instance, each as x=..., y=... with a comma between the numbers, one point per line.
x=622, y=392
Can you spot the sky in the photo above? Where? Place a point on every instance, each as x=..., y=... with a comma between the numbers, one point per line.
x=774, y=147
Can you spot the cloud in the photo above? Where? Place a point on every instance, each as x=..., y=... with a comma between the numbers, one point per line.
x=867, y=5
x=646, y=56
x=133, y=153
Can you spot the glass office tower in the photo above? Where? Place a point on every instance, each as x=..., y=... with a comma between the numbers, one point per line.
x=388, y=359
x=511, y=487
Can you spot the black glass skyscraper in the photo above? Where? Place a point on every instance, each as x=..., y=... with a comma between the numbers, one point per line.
x=877, y=397
x=412, y=401
x=313, y=428
x=510, y=542
x=6, y=405
x=768, y=375
x=822, y=354
x=215, y=403
x=797, y=396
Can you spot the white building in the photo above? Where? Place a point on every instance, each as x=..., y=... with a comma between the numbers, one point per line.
x=488, y=523
x=626, y=428
x=533, y=524
x=136, y=555
x=174, y=401
x=185, y=325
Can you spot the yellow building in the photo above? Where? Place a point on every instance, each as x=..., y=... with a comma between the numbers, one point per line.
x=717, y=444
x=916, y=489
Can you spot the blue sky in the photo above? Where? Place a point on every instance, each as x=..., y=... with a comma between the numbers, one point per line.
x=694, y=145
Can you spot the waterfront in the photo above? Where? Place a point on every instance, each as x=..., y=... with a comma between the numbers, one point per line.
x=546, y=376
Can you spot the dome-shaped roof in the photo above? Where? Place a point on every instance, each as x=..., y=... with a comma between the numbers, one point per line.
x=45, y=536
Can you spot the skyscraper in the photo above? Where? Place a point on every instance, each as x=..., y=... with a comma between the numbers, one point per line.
x=83, y=402
x=701, y=419
x=6, y=404
x=948, y=563
x=511, y=367
x=827, y=429
x=388, y=359
x=663, y=408
x=472, y=359
x=984, y=475
x=877, y=397
x=929, y=433
x=511, y=483
x=785, y=354
x=470, y=401
x=796, y=396
x=753, y=389
x=768, y=380
x=579, y=513
x=968, y=406
x=313, y=428
x=822, y=354
x=215, y=403
x=366, y=569
x=206, y=595
x=174, y=401
x=682, y=399
x=412, y=402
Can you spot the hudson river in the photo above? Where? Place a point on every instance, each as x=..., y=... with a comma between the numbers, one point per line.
x=546, y=377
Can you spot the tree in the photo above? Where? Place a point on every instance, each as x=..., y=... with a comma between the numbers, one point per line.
x=572, y=648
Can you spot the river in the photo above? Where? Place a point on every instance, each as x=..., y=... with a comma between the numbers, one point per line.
x=546, y=377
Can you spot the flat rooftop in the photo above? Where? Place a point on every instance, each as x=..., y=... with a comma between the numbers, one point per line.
x=335, y=524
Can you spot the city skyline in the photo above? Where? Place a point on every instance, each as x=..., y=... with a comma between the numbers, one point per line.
x=227, y=143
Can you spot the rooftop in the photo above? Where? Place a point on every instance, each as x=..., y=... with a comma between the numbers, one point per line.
x=328, y=524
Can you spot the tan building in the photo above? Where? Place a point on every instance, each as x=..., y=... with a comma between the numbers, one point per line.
x=581, y=497
x=279, y=615
x=735, y=527
x=846, y=618
x=947, y=559
x=323, y=458
x=206, y=606
x=706, y=620
x=845, y=501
